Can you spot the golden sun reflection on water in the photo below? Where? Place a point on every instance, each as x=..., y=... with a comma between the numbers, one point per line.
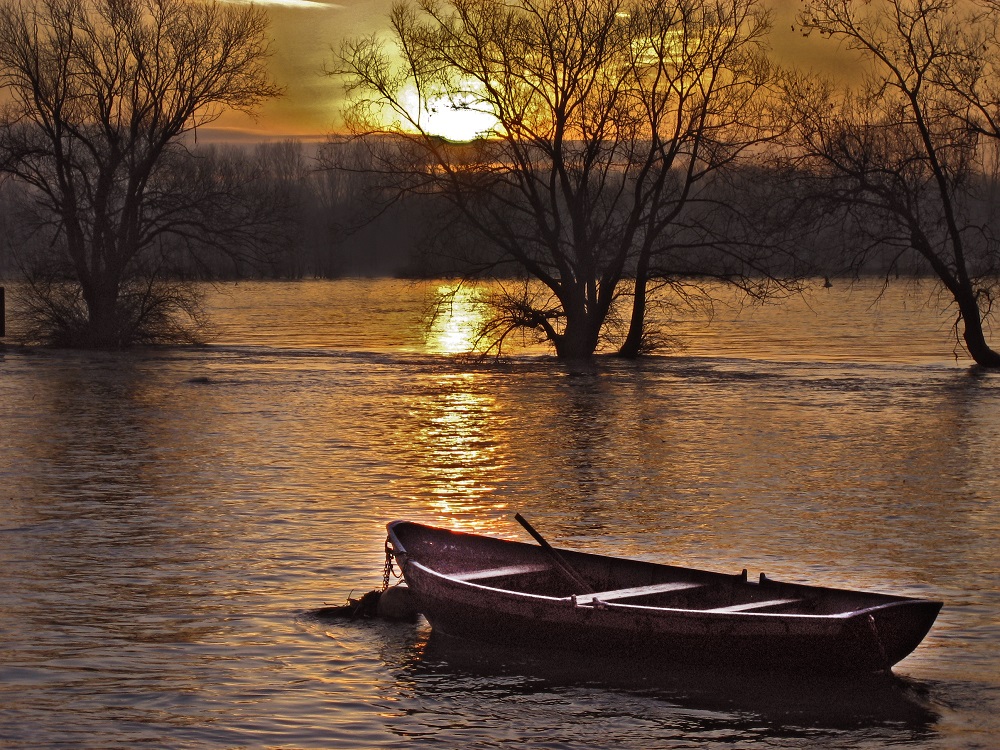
x=456, y=459
x=456, y=321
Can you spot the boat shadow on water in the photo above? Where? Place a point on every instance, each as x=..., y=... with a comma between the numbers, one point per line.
x=427, y=665
x=773, y=700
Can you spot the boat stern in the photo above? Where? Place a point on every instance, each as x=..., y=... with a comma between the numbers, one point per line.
x=891, y=632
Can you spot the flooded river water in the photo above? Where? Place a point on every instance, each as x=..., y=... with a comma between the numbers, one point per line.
x=171, y=519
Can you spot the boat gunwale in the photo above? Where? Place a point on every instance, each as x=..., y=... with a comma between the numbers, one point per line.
x=401, y=549
x=598, y=604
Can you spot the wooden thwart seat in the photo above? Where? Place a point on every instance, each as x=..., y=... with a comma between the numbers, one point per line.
x=751, y=605
x=655, y=588
x=510, y=570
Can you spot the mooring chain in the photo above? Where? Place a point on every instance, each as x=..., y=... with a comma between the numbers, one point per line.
x=387, y=570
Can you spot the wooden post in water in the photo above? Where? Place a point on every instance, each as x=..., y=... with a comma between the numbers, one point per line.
x=3, y=314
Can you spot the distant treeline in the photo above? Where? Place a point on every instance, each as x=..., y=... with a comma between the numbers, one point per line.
x=331, y=223
x=320, y=222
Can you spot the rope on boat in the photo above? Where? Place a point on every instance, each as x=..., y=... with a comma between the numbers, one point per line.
x=878, y=641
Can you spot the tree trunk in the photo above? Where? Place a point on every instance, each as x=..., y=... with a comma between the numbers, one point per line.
x=103, y=322
x=579, y=339
x=631, y=348
x=975, y=338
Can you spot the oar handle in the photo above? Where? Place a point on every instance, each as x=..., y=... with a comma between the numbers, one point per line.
x=531, y=530
x=561, y=564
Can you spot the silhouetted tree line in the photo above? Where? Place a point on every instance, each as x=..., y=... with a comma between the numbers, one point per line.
x=313, y=222
x=298, y=221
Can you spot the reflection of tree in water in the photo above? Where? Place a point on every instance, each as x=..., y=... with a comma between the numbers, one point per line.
x=589, y=455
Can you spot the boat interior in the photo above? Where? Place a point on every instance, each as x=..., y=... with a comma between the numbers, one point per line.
x=528, y=569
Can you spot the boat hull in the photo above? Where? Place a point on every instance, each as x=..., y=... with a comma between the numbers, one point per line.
x=870, y=639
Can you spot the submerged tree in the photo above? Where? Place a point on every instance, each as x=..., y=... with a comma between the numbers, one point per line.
x=99, y=93
x=903, y=154
x=601, y=121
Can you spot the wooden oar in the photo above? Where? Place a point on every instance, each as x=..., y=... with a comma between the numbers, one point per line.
x=561, y=565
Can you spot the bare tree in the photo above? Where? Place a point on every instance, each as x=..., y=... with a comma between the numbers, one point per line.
x=605, y=118
x=903, y=153
x=100, y=93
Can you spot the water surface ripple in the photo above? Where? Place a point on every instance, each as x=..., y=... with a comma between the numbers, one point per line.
x=171, y=519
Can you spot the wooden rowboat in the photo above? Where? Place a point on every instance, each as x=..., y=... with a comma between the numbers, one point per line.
x=479, y=587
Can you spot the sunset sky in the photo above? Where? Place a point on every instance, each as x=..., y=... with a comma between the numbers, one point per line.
x=305, y=33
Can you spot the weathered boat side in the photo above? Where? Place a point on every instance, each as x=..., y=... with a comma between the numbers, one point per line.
x=490, y=589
